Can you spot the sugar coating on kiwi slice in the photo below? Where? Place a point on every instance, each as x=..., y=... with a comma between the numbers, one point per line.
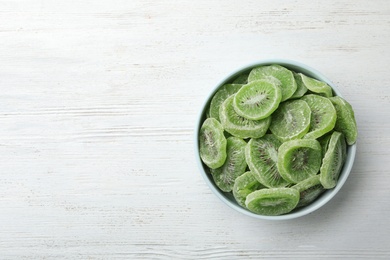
x=244, y=185
x=234, y=166
x=212, y=143
x=288, y=85
x=261, y=156
x=345, y=122
x=220, y=96
x=323, y=115
x=299, y=159
x=240, y=126
x=257, y=99
x=333, y=161
x=291, y=120
x=272, y=202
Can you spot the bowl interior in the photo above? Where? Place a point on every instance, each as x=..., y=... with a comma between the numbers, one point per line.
x=228, y=198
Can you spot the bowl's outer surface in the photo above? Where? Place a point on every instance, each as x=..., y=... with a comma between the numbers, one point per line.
x=228, y=198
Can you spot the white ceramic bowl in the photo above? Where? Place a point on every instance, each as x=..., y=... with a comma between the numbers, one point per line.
x=228, y=198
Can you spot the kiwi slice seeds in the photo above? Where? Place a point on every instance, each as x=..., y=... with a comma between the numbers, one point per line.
x=333, y=161
x=212, y=143
x=257, y=99
x=240, y=126
x=299, y=159
x=272, y=202
x=234, y=165
x=262, y=156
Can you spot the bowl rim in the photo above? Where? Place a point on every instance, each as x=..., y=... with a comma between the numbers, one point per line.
x=319, y=202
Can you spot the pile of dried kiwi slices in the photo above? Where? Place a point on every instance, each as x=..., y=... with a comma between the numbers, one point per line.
x=276, y=139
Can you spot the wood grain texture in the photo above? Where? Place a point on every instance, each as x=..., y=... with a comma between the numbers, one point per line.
x=98, y=105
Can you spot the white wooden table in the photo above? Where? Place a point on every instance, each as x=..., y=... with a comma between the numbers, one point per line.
x=98, y=105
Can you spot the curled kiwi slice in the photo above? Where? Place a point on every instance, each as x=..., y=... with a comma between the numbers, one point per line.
x=220, y=96
x=272, y=202
x=299, y=159
x=316, y=86
x=291, y=120
x=257, y=99
x=345, y=122
x=244, y=185
x=212, y=143
x=323, y=115
x=262, y=155
x=234, y=166
x=285, y=76
x=240, y=126
x=333, y=161
x=301, y=88
x=309, y=190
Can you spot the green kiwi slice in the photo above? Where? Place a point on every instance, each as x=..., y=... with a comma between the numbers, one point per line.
x=316, y=86
x=285, y=76
x=299, y=159
x=240, y=126
x=301, y=88
x=257, y=99
x=261, y=156
x=333, y=161
x=212, y=143
x=291, y=120
x=324, y=142
x=323, y=115
x=345, y=122
x=242, y=79
x=234, y=166
x=309, y=190
x=272, y=202
x=221, y=95
x=244, y=185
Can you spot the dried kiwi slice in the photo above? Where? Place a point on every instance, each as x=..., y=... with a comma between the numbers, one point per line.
x=324, y=142
x=212, y=143
x=257, y=99
x=333, y=161
x=220, y=96
x=242, y=79
x=240, y=126
x=272, y=202
x=299, y=159
x=323, y=115
x=285, y=76
x=244, y=185
x=291, y=120
x=234, y=166
x=301, y=88
x=262, y=155
x=316, y=86
x=309, y=190
x=345, y=122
